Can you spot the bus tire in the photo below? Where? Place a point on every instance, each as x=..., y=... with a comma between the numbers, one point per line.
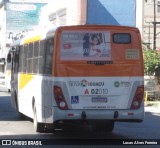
x=38, y=127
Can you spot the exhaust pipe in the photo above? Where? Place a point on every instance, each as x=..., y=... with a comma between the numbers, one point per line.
x=83, y=115
x=116, y=114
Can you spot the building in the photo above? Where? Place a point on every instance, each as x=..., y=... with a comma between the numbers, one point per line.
x=17, y=18
x=151, y=24
x=139, y=16
x=2, y=36
x=80, y=12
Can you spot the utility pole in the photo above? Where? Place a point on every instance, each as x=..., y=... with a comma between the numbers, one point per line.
x=149, y=35
x=154, y=24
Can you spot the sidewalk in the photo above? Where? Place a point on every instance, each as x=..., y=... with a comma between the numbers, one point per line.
x=154, y=108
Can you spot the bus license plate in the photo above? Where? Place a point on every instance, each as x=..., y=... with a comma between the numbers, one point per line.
x=98, y=99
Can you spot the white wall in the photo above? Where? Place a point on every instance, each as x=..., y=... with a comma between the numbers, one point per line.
x=2, y=32
x=139, y=11
x=72, y=11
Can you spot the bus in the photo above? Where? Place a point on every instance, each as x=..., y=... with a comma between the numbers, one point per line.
x=70, y=76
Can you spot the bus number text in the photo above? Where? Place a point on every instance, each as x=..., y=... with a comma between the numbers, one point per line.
x=99, y=91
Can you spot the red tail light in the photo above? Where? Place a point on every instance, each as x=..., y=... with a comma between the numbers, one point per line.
x=138, y=98
x=59, y=97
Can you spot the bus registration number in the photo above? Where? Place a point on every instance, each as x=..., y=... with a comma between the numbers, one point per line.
x=99, y=91
x=99, y=99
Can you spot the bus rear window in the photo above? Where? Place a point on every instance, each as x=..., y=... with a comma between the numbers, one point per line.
x=85, y=46
x=122, y=38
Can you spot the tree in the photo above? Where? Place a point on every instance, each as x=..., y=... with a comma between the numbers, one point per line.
x=151, y=62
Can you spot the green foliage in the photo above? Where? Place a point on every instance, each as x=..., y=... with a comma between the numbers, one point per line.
x=151, y=61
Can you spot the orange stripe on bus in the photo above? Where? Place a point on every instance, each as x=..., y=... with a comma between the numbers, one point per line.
x=67, y=70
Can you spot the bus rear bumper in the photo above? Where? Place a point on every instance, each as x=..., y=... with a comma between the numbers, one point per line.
x=116, y=115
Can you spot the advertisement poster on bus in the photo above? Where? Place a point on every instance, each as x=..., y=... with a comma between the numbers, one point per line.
x=88, y=45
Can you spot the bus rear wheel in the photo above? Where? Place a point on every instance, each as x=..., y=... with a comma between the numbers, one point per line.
x=38, y=127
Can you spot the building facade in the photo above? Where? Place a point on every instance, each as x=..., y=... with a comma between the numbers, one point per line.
x=80, y=12
x=2, y=36
x=17, y=18
x=151, y=24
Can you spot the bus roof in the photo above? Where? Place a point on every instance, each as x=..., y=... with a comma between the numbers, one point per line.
x=36, y=36
x=49, y=32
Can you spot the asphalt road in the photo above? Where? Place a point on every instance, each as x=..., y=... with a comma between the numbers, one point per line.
x=13, y=128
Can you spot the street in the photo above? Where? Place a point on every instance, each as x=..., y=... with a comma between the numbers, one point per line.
x=12, y=128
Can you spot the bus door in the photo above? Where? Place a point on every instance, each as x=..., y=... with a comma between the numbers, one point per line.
x=14, y=69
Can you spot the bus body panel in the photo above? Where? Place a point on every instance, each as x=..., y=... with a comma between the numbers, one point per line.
x=42, y=94
x=98, y=92
x=94, y=105
x=123, y=115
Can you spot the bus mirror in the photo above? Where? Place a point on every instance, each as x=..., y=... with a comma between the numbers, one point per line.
x=9, y=58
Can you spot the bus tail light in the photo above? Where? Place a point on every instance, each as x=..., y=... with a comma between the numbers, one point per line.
x=138, y=98
x=59, y=97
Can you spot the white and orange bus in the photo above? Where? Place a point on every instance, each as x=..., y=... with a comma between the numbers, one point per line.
x=76, y=74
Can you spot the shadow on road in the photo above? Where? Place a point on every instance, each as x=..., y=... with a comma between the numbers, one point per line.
x=7, y=112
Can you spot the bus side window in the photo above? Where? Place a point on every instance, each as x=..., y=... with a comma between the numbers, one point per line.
x=36, y=57
x=41, y=57
x=21, y=59
x=9, y=56
x=25, y=47
x=12, y=59
x=26, y=52
x=12, y=62
x=30, y=58
x=49, y=56
x=16, y=60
